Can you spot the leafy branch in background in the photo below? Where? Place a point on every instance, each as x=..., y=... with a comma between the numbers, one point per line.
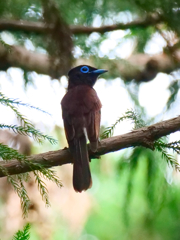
x=9, y=102
x=49, y=175
x=160, y=145
x=26, y=127
x=24, y=234
x=16, y=181
x=130, y=115
x=18, y=186
x=7, y=154
x=29, y=130
x=174, y=89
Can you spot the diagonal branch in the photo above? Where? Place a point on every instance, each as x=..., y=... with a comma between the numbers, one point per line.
x=141, y=137
x=40, y=27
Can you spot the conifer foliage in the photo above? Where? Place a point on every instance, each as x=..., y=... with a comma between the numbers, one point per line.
x=8, y=153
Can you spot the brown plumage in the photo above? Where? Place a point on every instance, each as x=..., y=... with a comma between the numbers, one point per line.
x=81, y=114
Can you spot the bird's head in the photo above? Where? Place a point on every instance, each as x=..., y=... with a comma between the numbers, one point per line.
x=84, y=75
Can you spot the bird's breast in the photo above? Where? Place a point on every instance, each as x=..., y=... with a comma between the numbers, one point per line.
x=80, y=100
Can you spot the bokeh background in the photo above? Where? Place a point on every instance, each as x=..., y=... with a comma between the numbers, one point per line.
x=135, y=193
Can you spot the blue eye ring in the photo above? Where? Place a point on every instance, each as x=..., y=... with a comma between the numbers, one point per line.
x=84, y=69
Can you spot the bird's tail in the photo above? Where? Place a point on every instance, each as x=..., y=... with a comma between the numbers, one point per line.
x=81, y=169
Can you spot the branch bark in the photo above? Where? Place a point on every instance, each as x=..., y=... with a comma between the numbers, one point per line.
x=141, y=137
x=17, y=56
x=40, y=27
x=141, y=67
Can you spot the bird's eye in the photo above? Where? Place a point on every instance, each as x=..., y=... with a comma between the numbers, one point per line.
x=84, y=69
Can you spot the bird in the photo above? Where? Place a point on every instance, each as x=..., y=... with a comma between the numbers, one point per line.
x=81, y=113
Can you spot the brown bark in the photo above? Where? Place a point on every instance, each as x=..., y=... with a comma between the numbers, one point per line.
x=149, y=21
x=40, y=27
x=141, y=137
x=17, y=56
x=141, y=67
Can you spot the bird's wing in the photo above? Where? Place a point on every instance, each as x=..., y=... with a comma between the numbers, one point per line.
x=66, y=105
x=92, y=113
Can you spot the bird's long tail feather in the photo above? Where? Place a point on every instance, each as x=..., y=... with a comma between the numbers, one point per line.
x=81, y=169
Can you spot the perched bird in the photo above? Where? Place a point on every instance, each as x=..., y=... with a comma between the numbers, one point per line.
x=81, y=115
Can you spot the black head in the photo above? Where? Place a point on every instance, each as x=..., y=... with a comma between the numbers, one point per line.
x=84, y=75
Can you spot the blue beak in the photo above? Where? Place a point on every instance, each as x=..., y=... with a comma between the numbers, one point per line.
x=99, y=71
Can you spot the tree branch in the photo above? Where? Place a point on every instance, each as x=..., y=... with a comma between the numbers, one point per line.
x=141, y=67
x=17, y=56
x=148, y=21
x=141, y=137
x=40, y=27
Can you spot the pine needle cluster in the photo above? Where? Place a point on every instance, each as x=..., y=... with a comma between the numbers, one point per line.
x=24, y=234
x=160, y=145
x=7, y=154
x=129, y=115
x=26, y=127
